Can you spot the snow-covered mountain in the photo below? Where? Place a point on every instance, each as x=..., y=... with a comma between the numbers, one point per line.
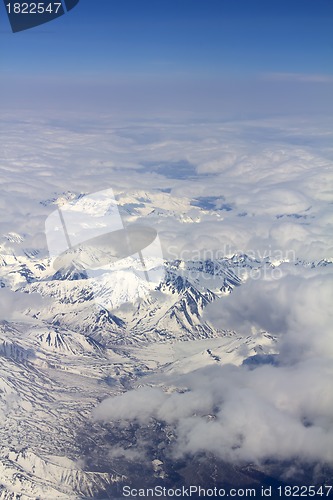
x=69, y=340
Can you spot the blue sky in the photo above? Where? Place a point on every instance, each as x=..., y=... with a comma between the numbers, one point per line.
x=176, y=47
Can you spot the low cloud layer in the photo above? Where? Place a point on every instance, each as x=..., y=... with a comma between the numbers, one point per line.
x=271, y=179
x=296, y=308
x=14, y=306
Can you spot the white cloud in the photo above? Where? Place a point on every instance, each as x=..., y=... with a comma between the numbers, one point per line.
x=140, y=404
x=261, y=170
x=295, y=307
x=14, y=305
